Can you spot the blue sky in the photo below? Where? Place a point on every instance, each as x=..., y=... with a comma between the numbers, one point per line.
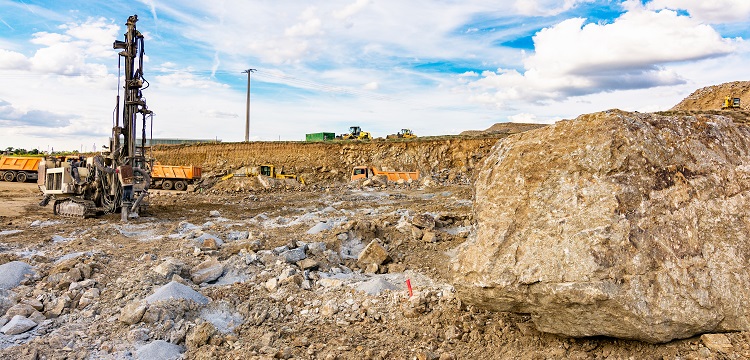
x=437, y=67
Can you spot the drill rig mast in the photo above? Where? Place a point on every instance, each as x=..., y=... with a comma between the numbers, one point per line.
x=86, y=187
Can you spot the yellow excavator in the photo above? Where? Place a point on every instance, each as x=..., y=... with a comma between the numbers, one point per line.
x=731, y=103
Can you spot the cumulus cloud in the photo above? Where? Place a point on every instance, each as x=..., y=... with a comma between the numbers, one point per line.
x=715, y=11
x=309, y=25
x=574, y=58
x=11, y=60
x=13, y=117
x=68, y=52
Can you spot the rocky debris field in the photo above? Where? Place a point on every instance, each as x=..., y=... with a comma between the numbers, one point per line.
x=316, y=273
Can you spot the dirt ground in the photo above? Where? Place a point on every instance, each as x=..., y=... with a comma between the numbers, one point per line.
x=277, y=308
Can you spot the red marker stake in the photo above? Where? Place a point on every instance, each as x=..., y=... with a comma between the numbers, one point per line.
x=408, y=286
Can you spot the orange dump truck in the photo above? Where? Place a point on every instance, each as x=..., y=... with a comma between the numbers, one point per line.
x=364, y=172
x=19, y=168
x=170, y=177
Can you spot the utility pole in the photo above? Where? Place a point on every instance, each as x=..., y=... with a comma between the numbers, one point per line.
x=247, y=113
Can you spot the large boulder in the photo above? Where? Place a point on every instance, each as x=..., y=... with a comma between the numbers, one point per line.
x=620, y=224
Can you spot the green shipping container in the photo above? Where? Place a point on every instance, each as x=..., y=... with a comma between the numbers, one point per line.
x=322, y=136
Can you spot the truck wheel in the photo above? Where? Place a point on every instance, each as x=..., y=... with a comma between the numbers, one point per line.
x=166, y=185
x=9, y=176
x=21, y=177
x=180, y=185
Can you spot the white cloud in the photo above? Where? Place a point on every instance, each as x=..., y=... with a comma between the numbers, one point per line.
x=309, y=25
x=714, y=11
x=546, y=7
x=186, y=80
x=11, y=60
x=524, y=118
x=573, y=59
x=351, y=9
x=371, y=86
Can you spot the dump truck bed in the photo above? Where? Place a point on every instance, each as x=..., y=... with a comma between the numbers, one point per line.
x=20, y=163
x=176, y=172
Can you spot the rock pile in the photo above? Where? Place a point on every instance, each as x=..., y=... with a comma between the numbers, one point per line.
x=620, y=224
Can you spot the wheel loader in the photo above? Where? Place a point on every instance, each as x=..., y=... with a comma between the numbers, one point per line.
x=355, y=133
x=118, y=179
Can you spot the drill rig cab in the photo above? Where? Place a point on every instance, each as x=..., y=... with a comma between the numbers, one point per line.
x=98, y=188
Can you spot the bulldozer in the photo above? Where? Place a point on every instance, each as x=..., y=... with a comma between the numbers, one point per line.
x=355, y=133
x=403, y=134
x=731, y=103
x=86, y=187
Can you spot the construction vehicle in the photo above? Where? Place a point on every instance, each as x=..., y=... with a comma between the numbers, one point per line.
x=366, y=172
x=19, y=168
x=264, y=170
x=98, y=188
x=170, y=177
x=403, y=134
x=355, y=133
x=270, y=171
x=731, y=103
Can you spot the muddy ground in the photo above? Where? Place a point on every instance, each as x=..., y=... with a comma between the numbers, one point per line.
x=263, y=305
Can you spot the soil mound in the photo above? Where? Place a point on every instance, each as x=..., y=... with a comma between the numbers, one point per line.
x=712, y=97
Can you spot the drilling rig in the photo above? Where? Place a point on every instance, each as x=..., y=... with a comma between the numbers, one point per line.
x=86, y=187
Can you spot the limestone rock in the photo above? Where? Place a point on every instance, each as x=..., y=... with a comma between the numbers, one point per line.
x=206, y=271
x=12, y=273
x=619, y=224
x=424, y=221
x=373, y=253
x=168, y=267
x=717, y=342
x=133, y=312
x=293, y=255
x=17, y=325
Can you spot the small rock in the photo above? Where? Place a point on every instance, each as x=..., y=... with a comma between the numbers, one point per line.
x=200, y=335
x=294, y=255
x=717, y=342
x=214, y=213
x=17, y=325
x=429, y=237
x=168, y=267
x=330, y=283
x=329, y=308
x=272, y=284
x=424, y=221
x=307, y=264
x=20, y=309
x=206, y=271
x=133, y=312
x=371, y=269
x=396, y=268
x=34, y=303
x=209, y=244
x=373, y=253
